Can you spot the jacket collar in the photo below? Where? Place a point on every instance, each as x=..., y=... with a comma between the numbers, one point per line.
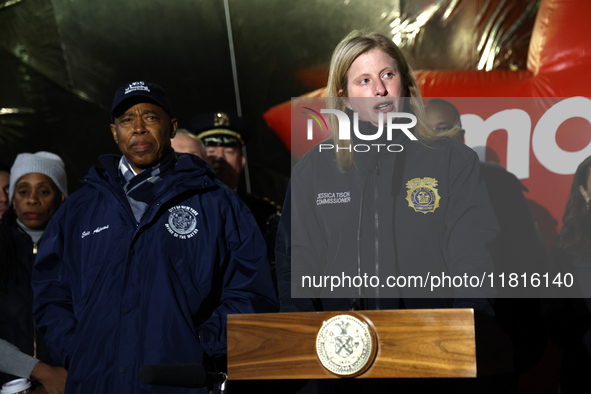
x=190, y=174
x=193, y=171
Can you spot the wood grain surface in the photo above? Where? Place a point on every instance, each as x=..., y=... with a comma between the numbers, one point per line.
x=411, y=343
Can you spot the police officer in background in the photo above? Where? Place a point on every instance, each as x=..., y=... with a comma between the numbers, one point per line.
x=518, y=246
x=224, y=136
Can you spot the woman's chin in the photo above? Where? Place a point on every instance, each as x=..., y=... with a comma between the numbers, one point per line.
x=34, y=224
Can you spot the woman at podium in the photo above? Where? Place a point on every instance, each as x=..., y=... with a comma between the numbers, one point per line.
x=387, y=213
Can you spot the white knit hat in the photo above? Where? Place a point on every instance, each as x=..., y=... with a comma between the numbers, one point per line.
x=41, y=163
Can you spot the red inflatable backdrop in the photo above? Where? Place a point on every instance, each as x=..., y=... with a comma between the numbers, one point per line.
x=535, y=122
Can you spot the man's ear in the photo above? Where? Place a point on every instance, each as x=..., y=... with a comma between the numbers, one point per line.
x=462, y=134
x=174, y=124
x=114, y=131
x=584, y=193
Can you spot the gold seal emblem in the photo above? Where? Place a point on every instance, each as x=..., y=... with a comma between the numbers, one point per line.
x=422, y=194
x=345, y=345
x=221, y=119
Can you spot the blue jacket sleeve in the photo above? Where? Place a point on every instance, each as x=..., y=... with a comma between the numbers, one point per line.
x=246, y=279
x=53, y=310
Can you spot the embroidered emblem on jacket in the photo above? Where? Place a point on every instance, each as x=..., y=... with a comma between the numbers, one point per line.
x=422, y=195
x=182, y=222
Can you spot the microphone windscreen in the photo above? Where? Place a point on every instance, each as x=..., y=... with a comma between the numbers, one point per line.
x=175, y=375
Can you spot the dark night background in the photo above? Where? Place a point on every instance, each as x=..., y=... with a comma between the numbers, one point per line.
x=61, y=61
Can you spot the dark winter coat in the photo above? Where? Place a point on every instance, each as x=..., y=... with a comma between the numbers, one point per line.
x=113, y=295
x=370, y=220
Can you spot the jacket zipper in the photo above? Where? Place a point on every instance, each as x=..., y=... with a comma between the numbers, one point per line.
x=376, y=227
x=35, y=248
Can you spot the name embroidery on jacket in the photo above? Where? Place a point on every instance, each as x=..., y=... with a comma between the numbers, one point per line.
x=333, y=198
x=96, y=231
x=182, y=222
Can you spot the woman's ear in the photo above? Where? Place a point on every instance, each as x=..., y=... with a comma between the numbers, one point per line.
x=345, y=100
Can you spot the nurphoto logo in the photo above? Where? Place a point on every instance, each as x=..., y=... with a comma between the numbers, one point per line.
x=344, y=131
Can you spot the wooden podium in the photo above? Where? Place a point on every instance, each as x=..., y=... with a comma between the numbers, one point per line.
x=427, y=343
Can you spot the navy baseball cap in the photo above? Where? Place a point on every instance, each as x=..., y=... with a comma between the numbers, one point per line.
x=138, y=92
x=220, y=129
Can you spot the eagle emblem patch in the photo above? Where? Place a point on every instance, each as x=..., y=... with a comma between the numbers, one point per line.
x=422, y=194
x=221, y=119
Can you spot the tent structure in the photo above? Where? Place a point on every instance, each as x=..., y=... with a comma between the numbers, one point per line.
x=61, y=61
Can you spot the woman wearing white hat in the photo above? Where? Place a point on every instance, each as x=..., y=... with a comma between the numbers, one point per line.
x=37, y=189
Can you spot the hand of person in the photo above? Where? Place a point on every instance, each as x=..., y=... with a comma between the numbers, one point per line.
x=53, y=379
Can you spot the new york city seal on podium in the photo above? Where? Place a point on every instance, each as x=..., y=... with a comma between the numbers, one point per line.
x=346, y=345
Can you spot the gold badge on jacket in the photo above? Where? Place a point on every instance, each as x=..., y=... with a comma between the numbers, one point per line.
x=422, y=194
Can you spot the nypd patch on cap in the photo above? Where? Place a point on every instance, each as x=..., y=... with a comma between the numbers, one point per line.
x=139, y=92
x=220, y=129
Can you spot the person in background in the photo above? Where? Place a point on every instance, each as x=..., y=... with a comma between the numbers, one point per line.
x=517, y=248
x=4, y=181
x=144, y=263
x=37, y=189
x=185, y=142
x=569, y=319
x=224, y=135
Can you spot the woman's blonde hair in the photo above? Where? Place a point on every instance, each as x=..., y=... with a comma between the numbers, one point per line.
x=350, y=48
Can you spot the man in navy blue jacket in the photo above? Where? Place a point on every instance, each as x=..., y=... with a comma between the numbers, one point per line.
x=143, y=264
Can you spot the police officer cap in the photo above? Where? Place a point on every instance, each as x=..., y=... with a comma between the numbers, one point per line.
x=138, y=92
x=220, y=129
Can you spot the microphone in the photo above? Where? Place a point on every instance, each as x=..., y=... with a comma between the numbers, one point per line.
x=180, y=375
